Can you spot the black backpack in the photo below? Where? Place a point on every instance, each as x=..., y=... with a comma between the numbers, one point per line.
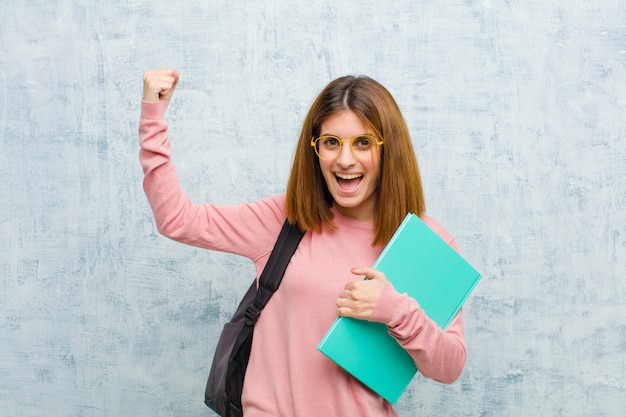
x=228, y=370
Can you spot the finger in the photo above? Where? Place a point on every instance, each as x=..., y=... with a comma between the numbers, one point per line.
x=166, y=94
x=345, y=300
x=168, y=81
x=161, y=81
x=346, y=294
x=349, y=311
x=158, y=71
x=161, y=84
x=343, y=308
x=368, y=272
x=343, y=311
x=159, y=74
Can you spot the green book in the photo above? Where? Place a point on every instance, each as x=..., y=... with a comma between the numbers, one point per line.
x=417, y=262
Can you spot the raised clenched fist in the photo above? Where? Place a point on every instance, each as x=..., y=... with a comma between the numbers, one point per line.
x=159, y=84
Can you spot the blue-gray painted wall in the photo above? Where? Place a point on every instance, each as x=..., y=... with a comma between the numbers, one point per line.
x=517, y=110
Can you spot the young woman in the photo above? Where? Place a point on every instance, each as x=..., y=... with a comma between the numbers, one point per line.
x=354, y=178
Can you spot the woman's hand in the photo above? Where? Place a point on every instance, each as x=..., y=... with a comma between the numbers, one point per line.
x=359, y=297
x=159, y=84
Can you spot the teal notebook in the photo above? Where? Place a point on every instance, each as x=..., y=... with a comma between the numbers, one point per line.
x=417, y=262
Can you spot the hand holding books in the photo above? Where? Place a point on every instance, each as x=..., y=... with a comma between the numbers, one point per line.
x=359, y=297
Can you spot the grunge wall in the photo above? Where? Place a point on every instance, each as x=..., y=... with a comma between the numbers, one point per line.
x=517, y=113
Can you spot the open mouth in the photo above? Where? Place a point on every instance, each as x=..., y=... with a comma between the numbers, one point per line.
x=348, y=182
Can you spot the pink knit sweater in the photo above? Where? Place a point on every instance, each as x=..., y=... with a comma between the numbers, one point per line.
x=286, y=375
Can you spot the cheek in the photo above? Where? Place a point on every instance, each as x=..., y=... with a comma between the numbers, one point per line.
x=374, y=166
x=325, y=167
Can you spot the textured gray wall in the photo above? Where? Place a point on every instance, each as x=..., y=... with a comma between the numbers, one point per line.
x=517, y=113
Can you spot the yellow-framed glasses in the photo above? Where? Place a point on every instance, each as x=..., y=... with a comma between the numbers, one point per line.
x=329, y=147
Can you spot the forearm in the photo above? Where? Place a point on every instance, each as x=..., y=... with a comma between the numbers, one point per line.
x=438, y=354
x=172, y=209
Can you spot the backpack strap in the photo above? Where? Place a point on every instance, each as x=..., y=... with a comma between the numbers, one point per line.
x=284, y=248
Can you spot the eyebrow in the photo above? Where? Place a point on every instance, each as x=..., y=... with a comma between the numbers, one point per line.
x=356, y=136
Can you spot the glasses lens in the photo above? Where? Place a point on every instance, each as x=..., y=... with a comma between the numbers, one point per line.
x=363, y=146
x=328, y=147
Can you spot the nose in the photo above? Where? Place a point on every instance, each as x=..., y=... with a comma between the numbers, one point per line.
x=346, y=157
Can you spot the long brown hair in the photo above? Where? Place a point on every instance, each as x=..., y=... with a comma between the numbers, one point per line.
x=400, y=188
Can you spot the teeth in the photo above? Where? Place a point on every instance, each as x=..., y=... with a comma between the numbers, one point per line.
x=349, y=177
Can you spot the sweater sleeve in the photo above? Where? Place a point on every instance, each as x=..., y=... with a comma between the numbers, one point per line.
x=438, y=354
x=247, y=229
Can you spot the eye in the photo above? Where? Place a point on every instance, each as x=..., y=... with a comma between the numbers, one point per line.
x=363, y=142
x=329, y=141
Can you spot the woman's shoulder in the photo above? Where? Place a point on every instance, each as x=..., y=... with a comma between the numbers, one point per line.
x=275, y=204
x=278, y=199
x=266, y=215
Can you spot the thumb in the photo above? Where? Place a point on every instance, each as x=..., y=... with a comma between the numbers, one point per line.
x=370, y=273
